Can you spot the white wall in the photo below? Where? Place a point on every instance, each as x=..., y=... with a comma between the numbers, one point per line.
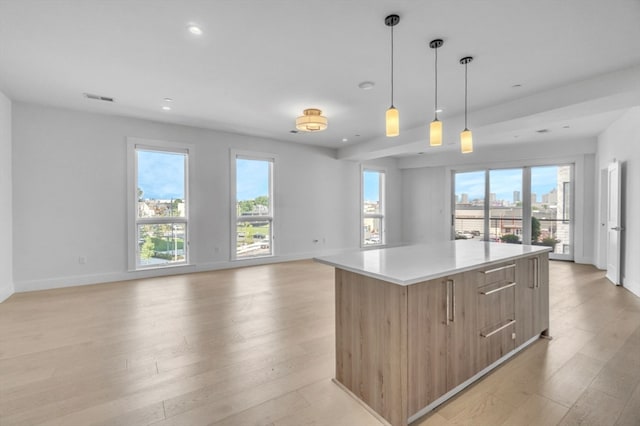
x=621, y=141
x=69, y=188
x=427, y=187
x=6, y=216
x=425, y=205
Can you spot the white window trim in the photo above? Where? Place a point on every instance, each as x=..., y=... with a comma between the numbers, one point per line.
x=134, y=143
x=382, y=214
x=260, y=156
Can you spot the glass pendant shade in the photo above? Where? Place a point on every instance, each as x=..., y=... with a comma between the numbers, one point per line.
x=466, y=141
x=393, y=122
x=435, y=133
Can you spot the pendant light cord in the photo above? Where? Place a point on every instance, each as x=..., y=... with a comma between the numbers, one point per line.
x=465, y=96
x=392, y=67
x=435, y=106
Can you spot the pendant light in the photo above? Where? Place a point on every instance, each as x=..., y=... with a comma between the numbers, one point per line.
x=392, y=116
x=466, y=140
x=435, y=129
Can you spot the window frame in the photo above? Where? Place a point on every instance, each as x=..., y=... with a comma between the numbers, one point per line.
x=133, y=221
x=382, y=215
x=234, y=155
x=526, y=198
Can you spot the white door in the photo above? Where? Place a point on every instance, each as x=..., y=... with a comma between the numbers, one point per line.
x=614, y=228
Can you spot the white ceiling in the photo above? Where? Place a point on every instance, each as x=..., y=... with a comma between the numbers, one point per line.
x=260, y=63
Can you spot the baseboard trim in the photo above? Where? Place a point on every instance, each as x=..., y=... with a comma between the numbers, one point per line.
x=6, y=293
x=90, y=279
x=632, y=286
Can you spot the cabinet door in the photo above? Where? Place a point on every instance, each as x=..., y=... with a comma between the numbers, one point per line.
x=541, y=300
x=442, y=337
x=462, y=331
x=532, y=297
x=525, y=300
x=427, y=340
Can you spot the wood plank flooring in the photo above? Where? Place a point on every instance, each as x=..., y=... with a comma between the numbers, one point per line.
x=255, y=346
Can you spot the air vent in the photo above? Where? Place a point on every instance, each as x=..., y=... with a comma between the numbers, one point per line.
x=98, y=97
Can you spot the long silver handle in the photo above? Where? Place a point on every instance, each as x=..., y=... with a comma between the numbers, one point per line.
x=499, y=269
x=446, y=283
x=537, y=272
x=495, y=290
x=498, y=329
x=453, y=301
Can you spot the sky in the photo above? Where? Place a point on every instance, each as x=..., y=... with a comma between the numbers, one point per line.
x=252, y=179
x=505, y=181
x=161, y=175
x=371, y=186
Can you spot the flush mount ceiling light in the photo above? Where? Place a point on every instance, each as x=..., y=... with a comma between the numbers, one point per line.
x=312, y=120
x=466, y=139
x=392, y=116
x=435, y=129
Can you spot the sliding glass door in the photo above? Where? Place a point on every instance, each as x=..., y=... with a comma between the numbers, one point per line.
x=524, y=205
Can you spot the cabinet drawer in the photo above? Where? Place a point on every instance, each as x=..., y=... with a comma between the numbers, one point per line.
x=495, y=342
x=496, y=305
x=504, y=272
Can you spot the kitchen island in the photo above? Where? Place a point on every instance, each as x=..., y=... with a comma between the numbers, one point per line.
x=417, y=324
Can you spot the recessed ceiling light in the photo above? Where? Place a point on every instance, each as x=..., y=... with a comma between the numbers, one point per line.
x=168, y=100
x=194, y=29
x=566, y=127
x=515, y=86
x=166, y=107
x=543, y=131
x=293, y=131
x=366, y=85
x=345, y=140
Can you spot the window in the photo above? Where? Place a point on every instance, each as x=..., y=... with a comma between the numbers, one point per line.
x=160, y=212
x=252, y=204
x=530, y=205
x=372, y=207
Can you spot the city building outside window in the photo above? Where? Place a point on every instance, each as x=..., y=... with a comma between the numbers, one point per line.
x=373, y=205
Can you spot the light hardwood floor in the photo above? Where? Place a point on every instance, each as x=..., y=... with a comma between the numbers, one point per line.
x=255, y=346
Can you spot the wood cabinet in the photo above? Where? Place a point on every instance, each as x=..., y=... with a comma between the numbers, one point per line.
x=532, y=297
x=403, y=349
x=442, y=337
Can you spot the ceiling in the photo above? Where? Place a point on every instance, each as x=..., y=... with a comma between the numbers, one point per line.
x=570, y=67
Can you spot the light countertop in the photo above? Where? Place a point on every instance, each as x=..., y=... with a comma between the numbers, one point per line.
x=406, y=265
